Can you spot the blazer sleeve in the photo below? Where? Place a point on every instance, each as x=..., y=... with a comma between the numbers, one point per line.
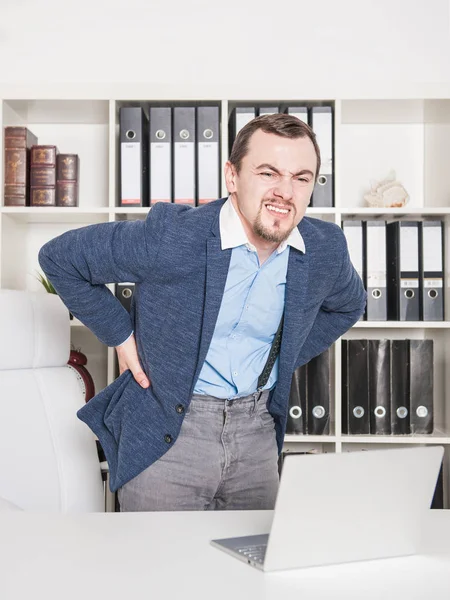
x=339, y=312
x=80, y=262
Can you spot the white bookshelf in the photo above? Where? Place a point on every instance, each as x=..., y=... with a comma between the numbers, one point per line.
x=406, y=128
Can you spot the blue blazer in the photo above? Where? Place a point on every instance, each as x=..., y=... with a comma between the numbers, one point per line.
x=174, y=256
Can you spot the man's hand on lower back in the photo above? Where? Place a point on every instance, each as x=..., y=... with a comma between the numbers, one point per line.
x=128, y=359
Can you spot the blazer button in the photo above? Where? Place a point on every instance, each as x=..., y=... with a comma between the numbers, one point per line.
x=179, y=408
x=168, y=438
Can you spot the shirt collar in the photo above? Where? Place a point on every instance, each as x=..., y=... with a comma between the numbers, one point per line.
x=232, y=233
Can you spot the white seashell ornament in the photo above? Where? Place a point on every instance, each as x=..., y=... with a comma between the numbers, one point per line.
x=388, y=193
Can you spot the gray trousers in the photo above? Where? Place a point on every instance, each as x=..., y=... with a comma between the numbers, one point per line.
x=225, y=458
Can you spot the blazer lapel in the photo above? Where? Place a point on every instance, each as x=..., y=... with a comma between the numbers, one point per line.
x=217, y=264
x=294, y=303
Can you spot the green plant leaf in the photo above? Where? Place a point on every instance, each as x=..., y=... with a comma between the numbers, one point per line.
x=46, y=283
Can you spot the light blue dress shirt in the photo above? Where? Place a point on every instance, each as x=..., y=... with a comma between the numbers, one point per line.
x=249, y=315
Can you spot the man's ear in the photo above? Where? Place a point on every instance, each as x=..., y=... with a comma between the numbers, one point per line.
x=230, y=177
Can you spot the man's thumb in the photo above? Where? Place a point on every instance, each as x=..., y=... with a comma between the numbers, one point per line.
x=141, y=378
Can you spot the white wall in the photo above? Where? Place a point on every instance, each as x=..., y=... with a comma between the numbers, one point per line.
x=270, y=41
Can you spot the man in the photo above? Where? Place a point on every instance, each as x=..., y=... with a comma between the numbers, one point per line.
x=195, y=421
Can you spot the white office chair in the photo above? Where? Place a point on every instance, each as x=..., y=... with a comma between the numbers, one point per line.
x=48, y=457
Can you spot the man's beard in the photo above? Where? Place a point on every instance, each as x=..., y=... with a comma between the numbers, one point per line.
x=270, y=235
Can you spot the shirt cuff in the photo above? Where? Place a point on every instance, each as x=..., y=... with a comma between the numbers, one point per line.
x=125, y=340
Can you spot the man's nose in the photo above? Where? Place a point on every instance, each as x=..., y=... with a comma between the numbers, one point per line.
x=284, y=188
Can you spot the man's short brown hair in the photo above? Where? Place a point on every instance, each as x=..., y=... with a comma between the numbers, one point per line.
x=281, y=124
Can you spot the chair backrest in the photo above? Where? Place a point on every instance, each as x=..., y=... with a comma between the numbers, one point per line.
x=48, y=457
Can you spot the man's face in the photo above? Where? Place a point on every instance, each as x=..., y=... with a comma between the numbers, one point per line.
x=274, y=185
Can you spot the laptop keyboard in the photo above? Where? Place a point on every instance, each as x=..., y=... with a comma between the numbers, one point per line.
x=256, y=553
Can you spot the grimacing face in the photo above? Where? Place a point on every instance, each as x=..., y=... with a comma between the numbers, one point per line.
x=274, y=186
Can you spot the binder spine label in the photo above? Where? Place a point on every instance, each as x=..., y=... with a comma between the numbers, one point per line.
x=131, y=172
x=432, y=249
x=301, y=113
x=432, y=283
x=409, y=249
x=323, y=127
x=353, y=236
x=242, y=118
x=376, y=280
x=161, y=172
x=185, y=172
x=208, y=171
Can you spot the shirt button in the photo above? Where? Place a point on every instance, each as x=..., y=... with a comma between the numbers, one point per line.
x=235, y=373
x=247, y=307
x=233, y=335
x=179, y=408
x=168, y=438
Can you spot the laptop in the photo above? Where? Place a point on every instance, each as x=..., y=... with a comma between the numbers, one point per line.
x=335, y=508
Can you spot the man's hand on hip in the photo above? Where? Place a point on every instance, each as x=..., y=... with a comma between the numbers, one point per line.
x=128, y=359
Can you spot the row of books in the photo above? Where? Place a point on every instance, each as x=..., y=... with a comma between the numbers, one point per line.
x=309, y=399
x=402, y=266
x=172, y=153
x=387, y=389
x=37, y=174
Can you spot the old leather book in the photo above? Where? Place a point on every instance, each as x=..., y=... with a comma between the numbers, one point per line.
x=43, y=175
x=66, y=193
x=67, y=179
x=18, y=143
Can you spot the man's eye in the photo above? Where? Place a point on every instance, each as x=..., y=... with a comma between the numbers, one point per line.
x=267, y=175
x=303, y=179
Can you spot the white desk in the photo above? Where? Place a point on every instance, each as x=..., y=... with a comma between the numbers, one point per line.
x=167, y=555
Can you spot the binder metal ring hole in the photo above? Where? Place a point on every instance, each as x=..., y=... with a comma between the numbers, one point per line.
x=409, y=294
x=127, y=293
x=318, y=412
x=380, y=411
x=402, y=412
x=184, y=134
x=208, y=134
x=130, y=134
x=322, y=179
x=422, y=412
x=160, y=134
x=358, y=412
x=432, y=294
x=295, y=412
x=376, y=294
